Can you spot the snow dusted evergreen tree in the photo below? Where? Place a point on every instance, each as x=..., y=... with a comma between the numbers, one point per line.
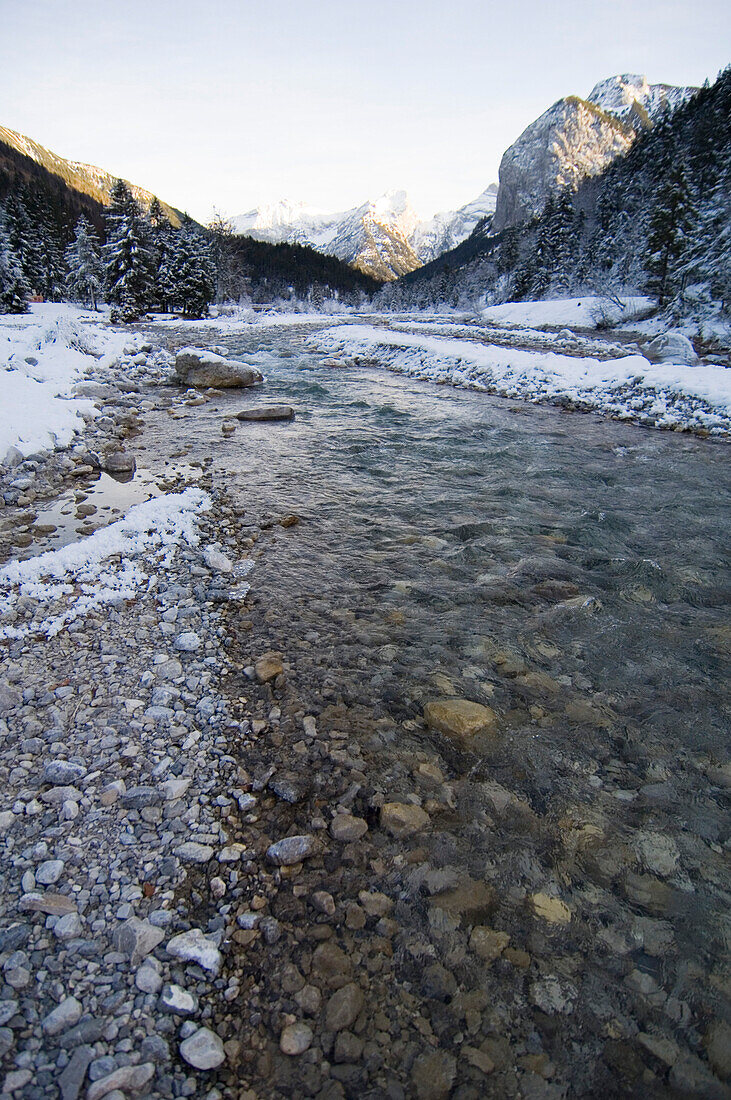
x=193, y=271
x=13, y=287
x=85, y=280
x=671, y=225
x=128, y=262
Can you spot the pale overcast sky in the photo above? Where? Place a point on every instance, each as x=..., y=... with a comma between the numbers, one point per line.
x=229, y=104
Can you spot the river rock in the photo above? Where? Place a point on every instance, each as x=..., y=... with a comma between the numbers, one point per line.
x=292, y=849
x=268, y=667
x=125, y=1079
x=177, y=1000
x=203, y=1049
x=433, y=1075
x=346, y=828
x=193, y=946
x=673, y=347
x=344, y=1007
x=402, y=819
x=119, y=462
x=137, y=938
x=62, y=1017
x=459, y=719
x=54, y=905
x=267, y=412
x=63, y=772
x=201, y=368
x=295, y=1039
x=50, y=872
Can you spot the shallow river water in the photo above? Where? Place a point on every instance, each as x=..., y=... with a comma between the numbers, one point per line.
x=566, y=571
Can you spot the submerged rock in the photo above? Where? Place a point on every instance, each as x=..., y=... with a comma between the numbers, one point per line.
x=459, y=719
x=198, y=367
x=267, y=412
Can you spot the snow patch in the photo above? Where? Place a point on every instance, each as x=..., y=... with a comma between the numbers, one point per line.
x=84, y=575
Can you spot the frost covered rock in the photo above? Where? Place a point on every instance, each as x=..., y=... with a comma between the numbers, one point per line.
x=673, y=347
x=198, y=367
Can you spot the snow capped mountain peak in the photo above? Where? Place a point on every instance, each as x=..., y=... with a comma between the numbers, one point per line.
x=384, y=236
x=618, y=95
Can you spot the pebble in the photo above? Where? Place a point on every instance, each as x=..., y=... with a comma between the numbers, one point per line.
x=193, y=946
x=344, y=1007
x=402, y=819
x=62, y=1017
x=203, y=1049
x=187, y=642
x=295, y=1039
x=347, y=828
x=123, y=1080
x=292, y=849
x=49, y=872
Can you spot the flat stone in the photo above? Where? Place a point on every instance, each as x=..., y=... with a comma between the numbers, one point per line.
x=346, y=828
x=402, y=819
x=192, y=852
x=471, y=899
x=550, y=909
x=70, y=1082
x=137, y=938
x=136, y=798
x=268, y=667
x=57, y=795
x=55, y=905
x=125, y=1079
x=62, y=1017
x=14, y=937
x=344, y=1007
x=295, y=1039
x=193, y=946
x=292, y=849
x=174, y=788
x=63, y=772
x=460, y=719
x=267, y=412
x=203, y=1049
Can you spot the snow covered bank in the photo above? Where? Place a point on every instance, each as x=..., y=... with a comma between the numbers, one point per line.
x=631, y=388
x=586, y=312
x=99, y=569
x=42, y=356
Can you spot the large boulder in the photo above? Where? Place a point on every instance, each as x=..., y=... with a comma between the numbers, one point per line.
x=199, y=367
x=267, y=412
x=673, y=347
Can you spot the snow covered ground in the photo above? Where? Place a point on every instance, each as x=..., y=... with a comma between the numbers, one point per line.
x=632, y=388
x=585, y=313
x=43, y=355
x=107, y=567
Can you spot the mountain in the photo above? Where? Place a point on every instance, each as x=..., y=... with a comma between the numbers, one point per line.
x=382, y=237
x=576, y=138
x=84, y=179
x=656, y=221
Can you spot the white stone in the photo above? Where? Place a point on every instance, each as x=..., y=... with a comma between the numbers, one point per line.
x=203, y=1050
x=193, y=946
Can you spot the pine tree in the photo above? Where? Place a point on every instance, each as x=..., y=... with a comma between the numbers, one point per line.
x=193, y=271
x=128, y=262
x=13, y=287
x=85, y=271
x=670, y=227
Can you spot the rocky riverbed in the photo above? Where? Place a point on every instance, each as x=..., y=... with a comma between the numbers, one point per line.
x=249, y=852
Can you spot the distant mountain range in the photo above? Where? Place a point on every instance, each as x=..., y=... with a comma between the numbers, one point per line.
x=384, y=238
x=85, y=179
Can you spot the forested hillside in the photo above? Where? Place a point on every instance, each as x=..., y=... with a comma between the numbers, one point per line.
x=657, y=221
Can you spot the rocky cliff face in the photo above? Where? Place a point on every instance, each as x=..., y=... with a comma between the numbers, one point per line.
x=577, y=138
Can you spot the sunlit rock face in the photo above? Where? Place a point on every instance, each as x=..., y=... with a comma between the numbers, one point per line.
x=576, y=138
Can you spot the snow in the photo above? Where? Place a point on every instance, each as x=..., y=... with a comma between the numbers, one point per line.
x=586, y=312
x=664, y=395
x=38, y=409
x=102, y=569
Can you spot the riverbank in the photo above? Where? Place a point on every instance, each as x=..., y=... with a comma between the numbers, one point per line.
x=507, y=912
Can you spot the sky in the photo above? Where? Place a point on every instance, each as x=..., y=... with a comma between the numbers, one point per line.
x=219, y=104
